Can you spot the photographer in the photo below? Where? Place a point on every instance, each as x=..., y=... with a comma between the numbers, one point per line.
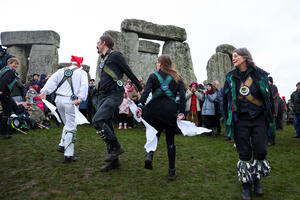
x=193, y=98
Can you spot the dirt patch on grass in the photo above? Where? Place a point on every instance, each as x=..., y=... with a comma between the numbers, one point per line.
x=27, y=185
x=87, y=173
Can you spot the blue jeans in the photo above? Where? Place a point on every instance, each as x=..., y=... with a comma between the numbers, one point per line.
x=297, y=124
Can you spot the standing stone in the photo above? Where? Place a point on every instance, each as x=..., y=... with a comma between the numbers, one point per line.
x=149, y=47
x=29, y=38
x=131, y=48
x=181, y=57
x=43, y=60
x=117, y=38
x=147, y=64
x=217, y=67
x=148, y=54
x=226, y=48
x=21, y=53
x=153, y=31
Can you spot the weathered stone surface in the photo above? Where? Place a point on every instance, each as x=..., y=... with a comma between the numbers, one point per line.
x=117, y=38
x=22, y=54
x=43, y=60
x=131, y=48
x=149, y=47
x=146, y=65
x=30, y=37
x=181, y=57
x=153, y=31
x=225, y=48
x=217, y=67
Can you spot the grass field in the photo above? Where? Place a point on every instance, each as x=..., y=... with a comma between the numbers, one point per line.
x=31, y=168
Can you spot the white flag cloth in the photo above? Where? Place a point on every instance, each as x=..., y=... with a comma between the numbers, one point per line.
x=151, y=132
x=52, y=108
x=187, y=128
x=80, y=118
x=190, y=129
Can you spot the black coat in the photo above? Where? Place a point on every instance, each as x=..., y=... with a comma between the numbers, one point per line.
x=256, y=74
x=162, y=110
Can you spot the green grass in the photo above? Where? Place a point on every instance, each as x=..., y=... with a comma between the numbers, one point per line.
x=31, y=168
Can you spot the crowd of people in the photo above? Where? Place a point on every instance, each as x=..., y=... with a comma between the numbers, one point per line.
x=249, y=104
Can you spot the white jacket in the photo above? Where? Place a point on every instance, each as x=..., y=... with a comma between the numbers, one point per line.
x=79, y=81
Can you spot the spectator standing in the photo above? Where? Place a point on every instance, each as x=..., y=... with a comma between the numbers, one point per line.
x=295, y=105
x=123, y=112
x=208, y=108
x=193, y=98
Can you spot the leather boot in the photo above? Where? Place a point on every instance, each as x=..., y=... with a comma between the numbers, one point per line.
x=246, y=192
x=68, y=159
x=114, y=153
x=172, y=174
x=171, y=156
x=111, y=165
x=257, y=188
x=148, y=160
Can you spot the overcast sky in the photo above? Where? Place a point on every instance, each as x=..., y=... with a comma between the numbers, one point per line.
x=270, y=29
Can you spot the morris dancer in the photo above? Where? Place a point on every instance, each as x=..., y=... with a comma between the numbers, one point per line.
x=71, y=87
x=161, y=112
x=248, y=107
x=112, y=67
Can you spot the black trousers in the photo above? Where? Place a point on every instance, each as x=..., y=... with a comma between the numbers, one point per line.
x=209, y=121
x=251, y=137
x=8, y=106
x=123, y=119
x=103, y=119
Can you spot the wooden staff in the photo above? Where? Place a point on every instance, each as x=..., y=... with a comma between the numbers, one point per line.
x=20, y=131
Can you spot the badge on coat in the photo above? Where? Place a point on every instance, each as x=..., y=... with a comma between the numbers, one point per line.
x=102, y=64
x=244, y=90
x=68, y=73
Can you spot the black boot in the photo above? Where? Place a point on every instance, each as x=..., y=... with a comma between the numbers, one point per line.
x=68, y=159
x=246, y=192
x=114, y=153
x=148, y=160
x=172, y=174
x=171, y=156
x=115, y=149
x=257, y=188
x=111, y=165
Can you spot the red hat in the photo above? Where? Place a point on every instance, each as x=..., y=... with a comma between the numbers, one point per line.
x=194, y=83
x=77, y=60
x=283, y=97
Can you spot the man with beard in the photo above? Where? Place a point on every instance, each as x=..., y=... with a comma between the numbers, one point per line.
x=112, y=67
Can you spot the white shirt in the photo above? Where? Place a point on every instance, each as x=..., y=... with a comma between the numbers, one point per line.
x=79, y=81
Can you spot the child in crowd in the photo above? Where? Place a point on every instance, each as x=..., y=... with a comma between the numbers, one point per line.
x=124, y=111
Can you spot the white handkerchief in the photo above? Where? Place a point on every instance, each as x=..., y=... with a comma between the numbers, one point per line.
x=151, y=137
x=190, y=129
x=80, y=118
x=52, y=108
